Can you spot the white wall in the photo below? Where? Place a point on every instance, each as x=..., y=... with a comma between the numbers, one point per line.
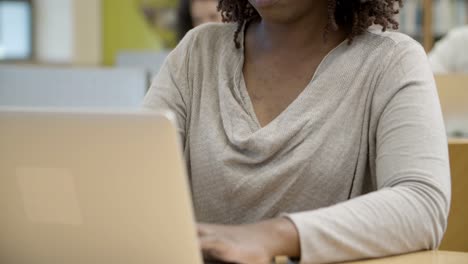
x=54, y=36
x=68, y=31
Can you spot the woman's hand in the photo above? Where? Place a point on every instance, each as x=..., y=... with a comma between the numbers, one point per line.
x=250, y=244
x=237, y=244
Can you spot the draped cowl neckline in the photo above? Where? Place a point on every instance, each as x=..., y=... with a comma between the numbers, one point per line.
x=239, y=119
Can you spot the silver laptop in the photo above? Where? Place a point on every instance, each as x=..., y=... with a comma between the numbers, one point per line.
x=93, y=188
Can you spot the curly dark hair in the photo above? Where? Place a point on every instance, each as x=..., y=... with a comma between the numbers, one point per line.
x=356, y=15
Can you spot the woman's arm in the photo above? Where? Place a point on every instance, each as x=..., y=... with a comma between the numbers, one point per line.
x=409, y=211
x=170, y=88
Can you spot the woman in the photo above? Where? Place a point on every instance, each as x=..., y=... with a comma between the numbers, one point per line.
x=193, y=13
x=308, y=136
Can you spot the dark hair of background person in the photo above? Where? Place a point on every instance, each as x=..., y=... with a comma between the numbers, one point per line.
x=184, y=21
x=354, y=15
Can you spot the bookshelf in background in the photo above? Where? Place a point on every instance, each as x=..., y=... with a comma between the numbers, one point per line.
x=429, y=20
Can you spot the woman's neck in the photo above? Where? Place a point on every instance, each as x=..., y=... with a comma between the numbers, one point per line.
x=302, y=34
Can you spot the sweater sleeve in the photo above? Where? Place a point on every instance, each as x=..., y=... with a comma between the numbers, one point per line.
x=409, y=210
x=170, y=88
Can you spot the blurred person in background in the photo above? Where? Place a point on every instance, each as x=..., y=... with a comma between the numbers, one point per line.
x=450, y=53
x=193, y=13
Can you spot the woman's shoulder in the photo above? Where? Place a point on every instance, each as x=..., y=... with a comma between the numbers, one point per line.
x=390, y=48
x=213, y=34
x=214, y=29
x=390, y=39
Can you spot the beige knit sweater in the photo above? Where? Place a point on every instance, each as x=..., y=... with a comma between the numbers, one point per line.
x=358, y=161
